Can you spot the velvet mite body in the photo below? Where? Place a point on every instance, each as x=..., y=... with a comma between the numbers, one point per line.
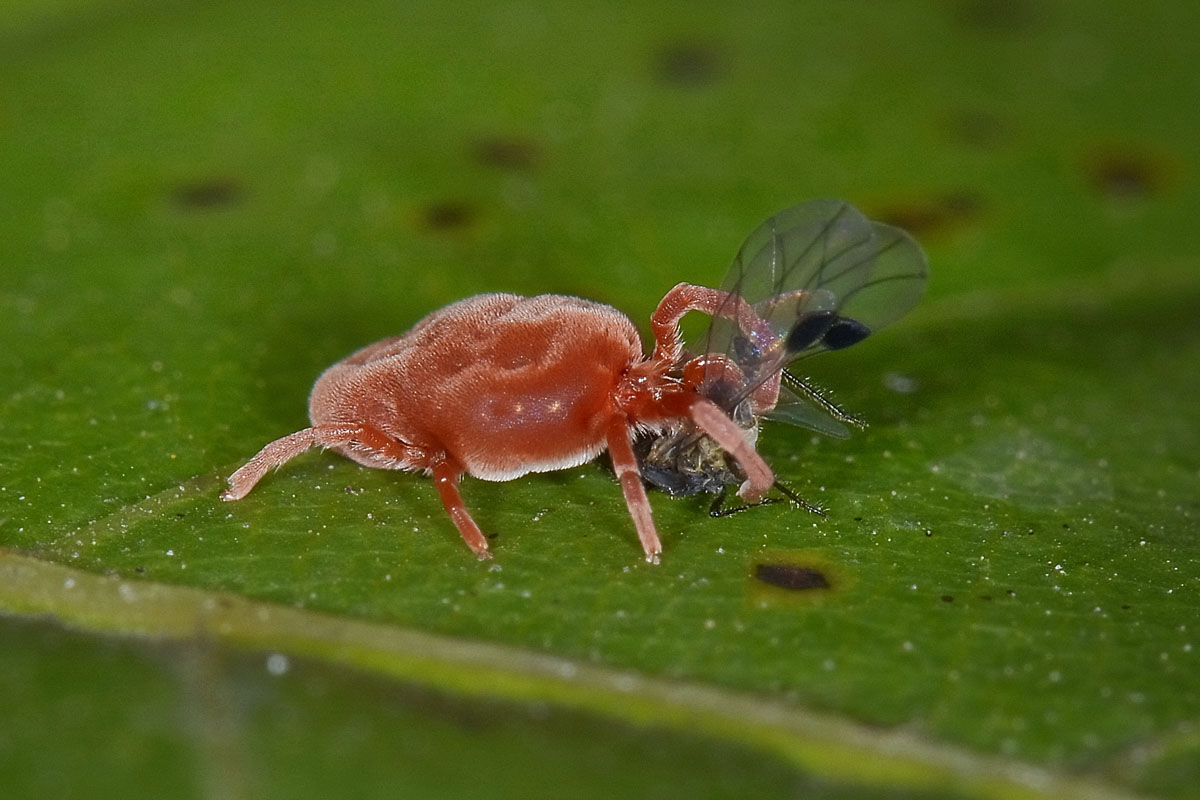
x=498, y=385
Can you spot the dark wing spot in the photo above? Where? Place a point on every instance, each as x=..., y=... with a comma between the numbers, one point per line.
x=844, y=333
x=208, y=194
x=809, y=329
x=791, y=576
x=691, y=65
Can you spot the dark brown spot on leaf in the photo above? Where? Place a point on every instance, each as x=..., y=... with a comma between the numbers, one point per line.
x=1126, y=174
x=507, y=152
x=210, y=194
x=976, y=128
x=932, y=216
x=791, y=576
x=689, y=64
x=448, y=215
x=947, y=598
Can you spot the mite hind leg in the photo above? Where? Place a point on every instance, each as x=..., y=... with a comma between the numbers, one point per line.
x=364, y=443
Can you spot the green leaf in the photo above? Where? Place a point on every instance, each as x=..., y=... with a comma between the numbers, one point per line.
x=207, y=206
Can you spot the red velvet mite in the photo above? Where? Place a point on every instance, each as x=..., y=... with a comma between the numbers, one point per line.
x=498, y=385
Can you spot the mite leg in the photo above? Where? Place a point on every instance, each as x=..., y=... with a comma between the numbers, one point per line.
x=445, y=477
x=361, y=438
x=685, y=297
x=625, y=465
x=726, y=433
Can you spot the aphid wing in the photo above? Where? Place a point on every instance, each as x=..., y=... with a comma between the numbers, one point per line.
x=826, y=253
x=781, y=255
x=791, y=249
x=890, y=281
x=801, y=403
x=823, y=277
x=795, y=410
x=823, y=256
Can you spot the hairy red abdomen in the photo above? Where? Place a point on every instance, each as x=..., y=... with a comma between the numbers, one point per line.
x=503, y=384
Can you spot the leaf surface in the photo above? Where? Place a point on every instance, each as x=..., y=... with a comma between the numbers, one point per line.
x=209, y=205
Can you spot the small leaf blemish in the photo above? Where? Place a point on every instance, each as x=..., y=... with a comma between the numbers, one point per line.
x=791, y=576
x=208, y=195
x=507, y=152
x=689, y=64
x=448, y=215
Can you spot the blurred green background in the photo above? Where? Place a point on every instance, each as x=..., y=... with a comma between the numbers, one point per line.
x=206, y=204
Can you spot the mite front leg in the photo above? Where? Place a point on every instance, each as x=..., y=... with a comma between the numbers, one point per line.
x=685, y=297
x=625, y=465
x=446, y=474
x=726, y=433
x=360, y=439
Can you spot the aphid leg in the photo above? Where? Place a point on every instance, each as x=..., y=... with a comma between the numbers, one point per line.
x=719, y=509
x=445, y=477
x=790, y=493
x=625, y=466
x=366, y=437
x=713, y=421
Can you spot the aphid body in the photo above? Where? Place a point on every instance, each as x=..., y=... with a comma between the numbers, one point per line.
x=498, y=385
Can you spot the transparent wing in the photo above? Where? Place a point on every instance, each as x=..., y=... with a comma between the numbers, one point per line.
x=823, y=277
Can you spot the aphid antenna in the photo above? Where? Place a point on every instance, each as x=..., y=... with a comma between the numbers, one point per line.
x=803, y=387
